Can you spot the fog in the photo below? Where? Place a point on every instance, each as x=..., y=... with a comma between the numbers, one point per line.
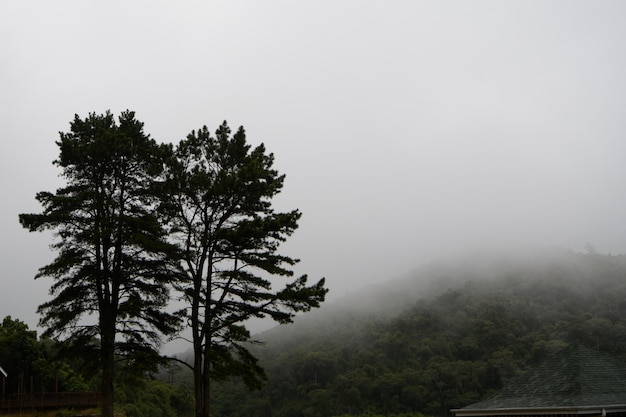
x=408, y=130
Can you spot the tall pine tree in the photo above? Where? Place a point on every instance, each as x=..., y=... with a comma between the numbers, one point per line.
x=221, y=218
x=112, y=258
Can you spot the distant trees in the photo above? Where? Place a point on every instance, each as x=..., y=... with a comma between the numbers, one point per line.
x=136, y=219
x=31, y=364
x=112, y=254
x=220, y=215
x=448, y=349
x=19, y=349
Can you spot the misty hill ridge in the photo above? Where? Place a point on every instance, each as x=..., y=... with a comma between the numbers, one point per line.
x=495, y=271
x=447, y=335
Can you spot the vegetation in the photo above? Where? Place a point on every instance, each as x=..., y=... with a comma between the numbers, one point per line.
x=24, y=358
x=450, y=335
x=455, y=345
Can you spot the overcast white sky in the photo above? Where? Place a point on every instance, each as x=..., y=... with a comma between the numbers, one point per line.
x=406, y=129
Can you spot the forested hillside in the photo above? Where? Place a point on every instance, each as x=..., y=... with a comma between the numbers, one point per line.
x=449, y=335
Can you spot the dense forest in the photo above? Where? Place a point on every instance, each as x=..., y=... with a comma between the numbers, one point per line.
x=446, y=335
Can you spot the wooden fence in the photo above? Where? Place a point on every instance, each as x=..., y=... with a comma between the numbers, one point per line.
x=49, y=400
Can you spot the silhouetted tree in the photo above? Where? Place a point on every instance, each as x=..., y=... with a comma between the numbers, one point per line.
x=221, y=218
x=112, y=259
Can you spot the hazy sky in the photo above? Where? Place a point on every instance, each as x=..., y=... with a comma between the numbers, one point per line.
x=406, y=129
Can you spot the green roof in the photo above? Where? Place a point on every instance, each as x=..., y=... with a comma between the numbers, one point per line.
x=578, y=377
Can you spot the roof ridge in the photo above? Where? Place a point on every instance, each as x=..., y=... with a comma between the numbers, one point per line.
x=577, y=375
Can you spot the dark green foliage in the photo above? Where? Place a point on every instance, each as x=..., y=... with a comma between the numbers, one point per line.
x=26, y=359
x=453, y=347
x=219, y=209
x=147, y=397
x=19, y=349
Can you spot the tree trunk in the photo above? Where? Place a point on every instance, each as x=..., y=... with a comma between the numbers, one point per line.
x=197, y=352
x=197, y=381
x=201, y=378
x=206, y=381
x=108, y=363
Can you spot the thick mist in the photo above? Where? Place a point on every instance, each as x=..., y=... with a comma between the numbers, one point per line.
x=408, y=131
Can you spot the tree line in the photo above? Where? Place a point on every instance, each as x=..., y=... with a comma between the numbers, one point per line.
x=35, y=365
x=139, y=223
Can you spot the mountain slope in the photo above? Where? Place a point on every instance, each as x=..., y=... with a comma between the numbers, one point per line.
x=449, y=335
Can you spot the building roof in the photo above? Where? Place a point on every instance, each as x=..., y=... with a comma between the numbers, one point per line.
x=577, y=378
